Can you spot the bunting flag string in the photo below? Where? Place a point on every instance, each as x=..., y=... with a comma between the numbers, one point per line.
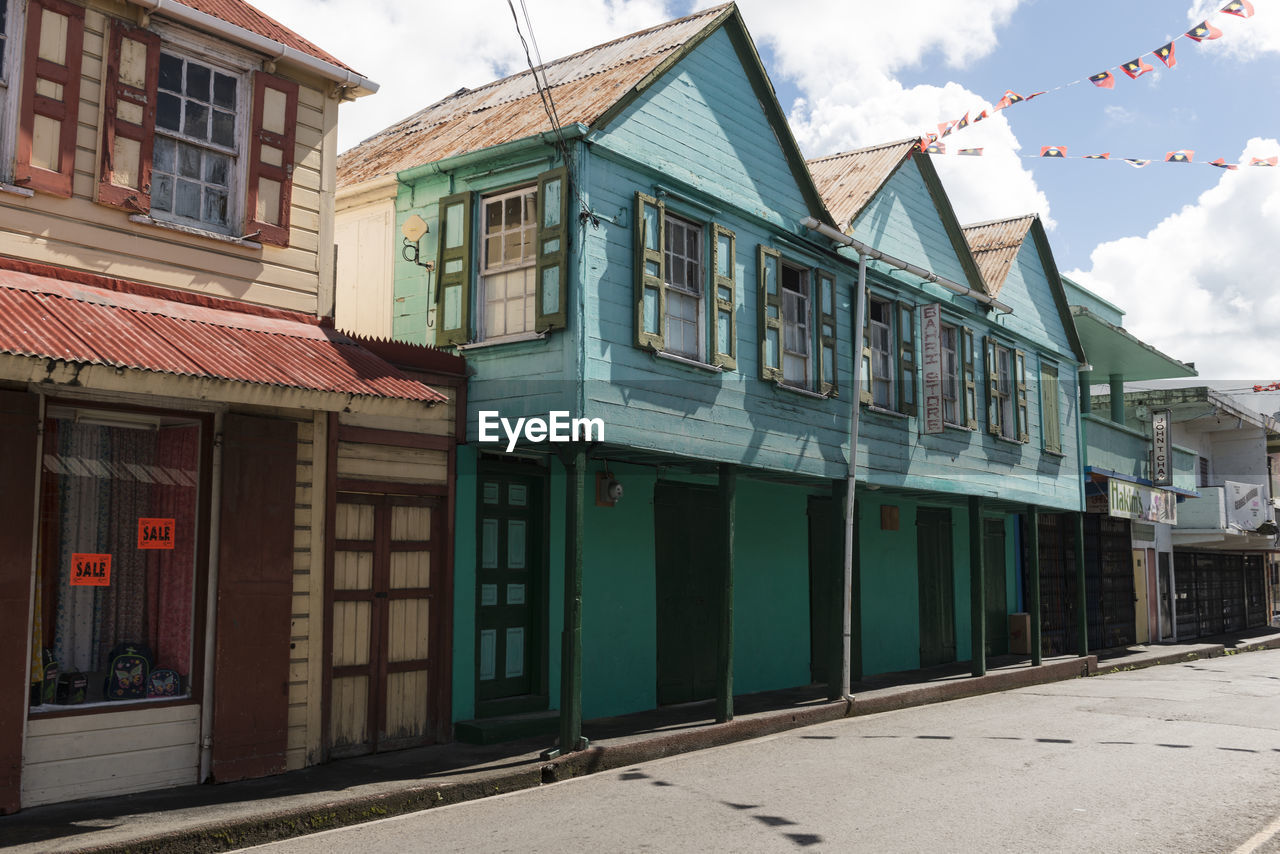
x=1182, y=155
x=1133, y=69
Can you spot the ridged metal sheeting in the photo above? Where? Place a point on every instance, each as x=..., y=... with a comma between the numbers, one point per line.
x=995, y=245
x=43, y=317
x=849, y=180
x=243, y=15
x=584, y=86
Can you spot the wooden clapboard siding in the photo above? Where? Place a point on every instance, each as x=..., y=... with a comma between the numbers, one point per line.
x=87, y=756
x=365, y=299
x=391, y=464
x=302, y=742
x=1026, y=291
x=80, y=234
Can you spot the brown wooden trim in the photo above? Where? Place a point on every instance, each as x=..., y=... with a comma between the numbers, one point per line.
x=114, y=89
x=204, y=534
x=275, y=233
x=66, y=111
x=391, y=487
x=459, y=425
x=410, y=593
x=379, y=625
x=409, y=666
x=76, y=711
x=442, y=530
x=393, y=438
x=331, y=518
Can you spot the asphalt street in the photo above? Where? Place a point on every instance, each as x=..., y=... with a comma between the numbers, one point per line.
x=1183, y=758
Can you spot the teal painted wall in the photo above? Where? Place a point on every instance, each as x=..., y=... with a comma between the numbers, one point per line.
x=1035, y=316
x=464, y=586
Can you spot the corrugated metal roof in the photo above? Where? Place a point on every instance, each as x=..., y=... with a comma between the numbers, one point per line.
x=243, y=15
x=584, y=86
x=995, y=245
x=44, y=317
x=849, y=180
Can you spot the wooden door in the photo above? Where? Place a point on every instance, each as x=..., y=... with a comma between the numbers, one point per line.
x=995, y=586
x=383, y=621
x=937, y=587
x=510, y=580
x=822, y=563
x=688, y=556
x=1142, y=632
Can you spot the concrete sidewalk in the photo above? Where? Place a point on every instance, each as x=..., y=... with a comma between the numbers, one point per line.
x=235, y=815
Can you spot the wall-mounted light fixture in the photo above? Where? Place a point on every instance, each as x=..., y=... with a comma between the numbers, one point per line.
x=608, y=490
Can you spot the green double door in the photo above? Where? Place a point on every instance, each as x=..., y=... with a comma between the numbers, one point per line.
x=689, y=576
x=511, y=571
x=937, y=586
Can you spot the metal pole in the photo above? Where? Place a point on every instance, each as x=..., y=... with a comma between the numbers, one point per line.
x=977, y=587
x=571, y=640
x=1082, y=597
x=1033, y=571
x=846, y=663
x=724, y=653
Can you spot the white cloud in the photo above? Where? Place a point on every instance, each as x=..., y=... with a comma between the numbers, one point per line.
x=1200, y=286
x=1242, y=38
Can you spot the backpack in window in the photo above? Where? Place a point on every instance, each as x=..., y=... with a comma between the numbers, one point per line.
x=164, y=682
x=128, y=666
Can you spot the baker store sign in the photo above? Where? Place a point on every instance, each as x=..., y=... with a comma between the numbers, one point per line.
x=1134, y=501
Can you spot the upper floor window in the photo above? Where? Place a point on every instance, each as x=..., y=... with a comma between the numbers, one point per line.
x=889, y=356
x=685, y=306
x=952, y=402
x=795, y=326
x=522, y=281
x=1050, y=415
x=797, y=320
x=883, y=351
x=1006, y=392
x=509, y=258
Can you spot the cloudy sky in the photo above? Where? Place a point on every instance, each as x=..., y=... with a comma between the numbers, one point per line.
x=1189, y=251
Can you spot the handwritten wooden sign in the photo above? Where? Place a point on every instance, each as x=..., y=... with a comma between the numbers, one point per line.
x=155, y=533
x=90, y=570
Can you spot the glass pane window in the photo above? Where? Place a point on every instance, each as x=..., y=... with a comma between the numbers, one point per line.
x=880, y=342
x=116, y=576
x=685, y=284
x=509, y=256
x=796, y=328
x=194, y=158
x=1004, y=389
x=950, y=375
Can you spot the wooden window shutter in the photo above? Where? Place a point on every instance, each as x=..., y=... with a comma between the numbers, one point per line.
x=453, y=271
x=271, y=144
x=651, y=298
x=48, y=115
x=1020, y=368
x=770, y=311
x=553, y=250
x=827, y=379
x=906, y=359
x=970, y=381
x=129, y=118
x=724, y=323
x=865, y=395
x=993, y=389
x=1049, y=417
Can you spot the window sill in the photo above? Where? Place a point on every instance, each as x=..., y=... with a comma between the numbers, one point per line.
x=803, y=392
x=686, y=361
x=53, y=710
x=947, y=425
x=1006, y=440
x=505, y=339
x=1049, y=453
x=15, y=190
x=880, y=410
x=143, y=219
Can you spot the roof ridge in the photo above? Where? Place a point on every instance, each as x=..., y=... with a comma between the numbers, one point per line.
x=864, y=150
x=999, y=221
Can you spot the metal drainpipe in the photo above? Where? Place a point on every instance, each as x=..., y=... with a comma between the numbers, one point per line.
x=860, y=307
x=211, y=605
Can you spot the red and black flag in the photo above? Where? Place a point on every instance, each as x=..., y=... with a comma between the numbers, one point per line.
x=1106, y=155
x=927, y=140
x=963, y=123
x=1135, y=68
x=970, y=152
x=1223, y=164
x=1036, y=94
x=945, y=128
x=1181, y=156
x=935, y=148
x=1010, y=98
x=1203, y=32
x=1053, y=151
x=1240, y=8
x=1135, y=163
x=1264, y=161
x=1103, y=79
x=980, y=116
x=1165, y=55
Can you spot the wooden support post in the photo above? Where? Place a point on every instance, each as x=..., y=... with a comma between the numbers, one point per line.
x=837, y=596
x=977, y=587
x=724, y=651
x=1033, y=575
x=1082, y=596
x=571, y=639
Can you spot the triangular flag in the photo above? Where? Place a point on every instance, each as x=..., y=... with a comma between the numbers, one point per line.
x=1165, y=55
x=1010, y=98
x=936, y=148
x=970, y=152
x=1106, y=155
x=946, y=128
x=1103, y=79
x=1264, y=161
x=980, y=116
x=963, y=123
x=1203, y=32
x=1035, y=95
x=1241, y=8
x=1135, y=68
x=1222, y=164
x=1136, y=164
x=1053, y=151
x=1181, y=156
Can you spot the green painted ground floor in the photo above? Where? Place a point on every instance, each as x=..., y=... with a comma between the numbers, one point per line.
x=653, y=587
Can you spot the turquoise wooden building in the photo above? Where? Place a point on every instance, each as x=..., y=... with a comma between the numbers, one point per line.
x=656, y=279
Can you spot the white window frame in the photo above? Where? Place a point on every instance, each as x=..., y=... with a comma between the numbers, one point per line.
x=887, y=379
x=528, y=263
x=11, y=87
x=797, y=322
x=693, y=289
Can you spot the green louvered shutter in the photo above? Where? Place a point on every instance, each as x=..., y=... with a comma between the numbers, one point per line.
x=553, y=250
x=770, y=310
x=453, y=271
x=906, y=359
x=1020, y=366
x=724, y=324
x=993, y=389
x=827, y=333
x=970, y=381
x=651, y=309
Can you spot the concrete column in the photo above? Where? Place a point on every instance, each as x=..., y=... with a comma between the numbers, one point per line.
x=1117, y=398
x=977, y=587
x=1086, y=403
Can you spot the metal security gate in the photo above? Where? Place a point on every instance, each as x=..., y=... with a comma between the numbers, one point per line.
x=1057, y=585
x=1109, y=582
x=1218, y=593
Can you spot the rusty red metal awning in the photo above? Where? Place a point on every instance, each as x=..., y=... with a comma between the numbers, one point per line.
x=80, y=318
